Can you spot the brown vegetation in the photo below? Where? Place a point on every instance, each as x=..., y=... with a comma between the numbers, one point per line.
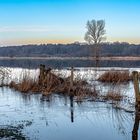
x=55, y=84
x=115, y=77
x=113, y=96
x=48, y=83
x=27, y=84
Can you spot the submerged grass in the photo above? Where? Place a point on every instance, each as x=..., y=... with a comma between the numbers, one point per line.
x=113, y=96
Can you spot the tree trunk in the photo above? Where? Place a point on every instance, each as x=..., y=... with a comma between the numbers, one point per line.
x=96, y=55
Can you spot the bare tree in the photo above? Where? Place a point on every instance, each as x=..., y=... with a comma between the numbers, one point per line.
x=95, y=34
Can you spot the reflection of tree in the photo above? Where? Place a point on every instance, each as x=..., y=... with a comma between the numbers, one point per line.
x=136, y=126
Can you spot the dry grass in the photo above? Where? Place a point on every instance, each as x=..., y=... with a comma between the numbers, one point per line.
x=63, y=86
x=84, y=92
x=5, y=74
x=115, y=77
x=53, y=83
x=27, y=84
x=113, y=96
x=81, y=90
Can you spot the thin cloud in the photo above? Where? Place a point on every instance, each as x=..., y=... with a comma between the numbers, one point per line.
x=23, y=29
x=36, y=29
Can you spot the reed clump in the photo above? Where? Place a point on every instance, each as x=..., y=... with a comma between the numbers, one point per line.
x=5, y=74
x=82, y=93
x=56, y=84
x=115, y=77
x=113, y=96
x=26, y=84
x=48, y=82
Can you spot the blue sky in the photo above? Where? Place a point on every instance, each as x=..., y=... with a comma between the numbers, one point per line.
x=64, y=21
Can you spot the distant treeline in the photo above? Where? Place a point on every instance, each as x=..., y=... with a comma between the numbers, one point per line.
x=74, y=50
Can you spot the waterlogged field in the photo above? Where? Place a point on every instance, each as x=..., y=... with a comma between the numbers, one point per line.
x=59, y=117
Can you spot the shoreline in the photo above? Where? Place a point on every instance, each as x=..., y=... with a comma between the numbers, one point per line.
x=115, y=58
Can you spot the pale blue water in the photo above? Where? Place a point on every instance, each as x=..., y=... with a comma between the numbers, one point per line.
x=61, y=118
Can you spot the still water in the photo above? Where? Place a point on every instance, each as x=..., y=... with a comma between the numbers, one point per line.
x=67, y=63
x=58, y=117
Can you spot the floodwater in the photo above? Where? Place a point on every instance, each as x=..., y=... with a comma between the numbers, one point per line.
x=58, y=117
x=67, y=63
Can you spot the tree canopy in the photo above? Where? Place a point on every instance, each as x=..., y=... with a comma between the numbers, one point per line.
x=95, y=31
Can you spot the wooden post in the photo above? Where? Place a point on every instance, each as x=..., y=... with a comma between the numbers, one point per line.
x=136, y=87
x=41, y=75
x=136, y=127
x=71, y=78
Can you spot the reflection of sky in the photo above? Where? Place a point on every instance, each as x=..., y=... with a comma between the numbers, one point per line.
x=52, y=120
x=43, y=21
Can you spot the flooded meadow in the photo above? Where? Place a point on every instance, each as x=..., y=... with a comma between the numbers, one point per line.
x=59, y=117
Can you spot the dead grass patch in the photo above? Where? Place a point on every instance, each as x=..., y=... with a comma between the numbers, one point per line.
x=115, y=77
x=27, y=84
x=49, y=83
x=52, y=83
x=113, y=96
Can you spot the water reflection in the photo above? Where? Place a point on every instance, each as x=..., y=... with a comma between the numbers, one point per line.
x=71, y=109
x=60, y=117
x=136, y=126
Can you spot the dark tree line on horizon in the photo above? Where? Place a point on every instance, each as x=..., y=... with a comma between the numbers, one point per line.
x=95, y=35
x=70, y=50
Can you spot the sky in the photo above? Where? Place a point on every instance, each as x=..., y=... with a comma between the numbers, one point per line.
x=64, y=21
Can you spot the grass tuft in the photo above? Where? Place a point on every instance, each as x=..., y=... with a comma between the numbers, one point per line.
x=115, y=77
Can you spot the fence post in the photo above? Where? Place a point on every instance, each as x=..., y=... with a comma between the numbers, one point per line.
x=41, y=74
x=71, y=78
x=136, y=87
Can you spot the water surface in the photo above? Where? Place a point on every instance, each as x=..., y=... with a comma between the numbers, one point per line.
x=67, y=63
x=58, y=117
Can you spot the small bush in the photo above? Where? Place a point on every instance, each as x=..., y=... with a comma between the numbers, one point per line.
x=115, y=77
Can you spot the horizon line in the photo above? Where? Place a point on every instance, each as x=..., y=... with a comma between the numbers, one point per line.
x=75, y=42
